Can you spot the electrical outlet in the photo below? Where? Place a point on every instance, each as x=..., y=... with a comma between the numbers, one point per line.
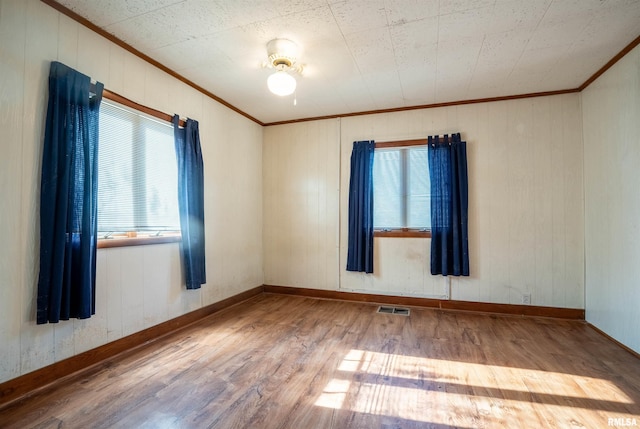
x=526, y=298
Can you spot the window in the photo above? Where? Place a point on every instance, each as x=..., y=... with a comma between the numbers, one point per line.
x=137, y=173
x=401, y=189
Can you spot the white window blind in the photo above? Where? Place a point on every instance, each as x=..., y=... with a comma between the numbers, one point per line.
x=418, y=188
x=401, y=188
x=387, y=189
x=137, y=172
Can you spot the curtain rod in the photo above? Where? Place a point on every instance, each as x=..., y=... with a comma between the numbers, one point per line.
x=416, y=142
x=110, y=95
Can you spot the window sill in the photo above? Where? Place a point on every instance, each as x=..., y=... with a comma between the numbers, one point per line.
x=401, y=233
x=124, y=241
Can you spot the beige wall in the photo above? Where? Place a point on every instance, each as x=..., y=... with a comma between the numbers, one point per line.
x=611, y=107
x=137, y=287
x=526, y=203
x=301, y=204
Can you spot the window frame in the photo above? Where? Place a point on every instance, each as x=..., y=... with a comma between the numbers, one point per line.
x=124, y=240
x=135, y=238
x=401, y=232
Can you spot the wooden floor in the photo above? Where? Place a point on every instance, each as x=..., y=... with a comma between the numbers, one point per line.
x=290, y=362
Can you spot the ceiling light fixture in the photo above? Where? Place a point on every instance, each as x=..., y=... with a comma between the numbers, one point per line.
x=282, y=57
x=281, y=83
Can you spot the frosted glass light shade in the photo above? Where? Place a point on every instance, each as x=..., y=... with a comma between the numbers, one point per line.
x=281, y=83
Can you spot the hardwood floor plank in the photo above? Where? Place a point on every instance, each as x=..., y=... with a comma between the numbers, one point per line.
x=280, y=361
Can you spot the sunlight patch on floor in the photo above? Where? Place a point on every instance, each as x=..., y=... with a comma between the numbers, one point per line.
x=334, y=394
x=407, y=368
x=404, y=386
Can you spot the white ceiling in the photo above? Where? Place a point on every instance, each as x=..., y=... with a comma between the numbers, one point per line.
x=363, y=55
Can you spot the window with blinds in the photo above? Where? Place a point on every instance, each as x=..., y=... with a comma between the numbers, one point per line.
x=137, y=172
x=401, y=188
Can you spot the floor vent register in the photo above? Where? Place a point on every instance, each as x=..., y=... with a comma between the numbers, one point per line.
x=394, y=310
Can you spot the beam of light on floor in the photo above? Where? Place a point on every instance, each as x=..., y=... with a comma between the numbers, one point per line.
x=405, y=386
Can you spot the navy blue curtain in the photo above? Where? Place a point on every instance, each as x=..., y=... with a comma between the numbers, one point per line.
x=449, y=206
x=360, y=250
x=191, y=200
x=69, y=187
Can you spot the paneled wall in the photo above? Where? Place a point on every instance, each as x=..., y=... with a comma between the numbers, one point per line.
x=526, y=203
x=301, y=204
x=611, y=107
x=137, y=287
